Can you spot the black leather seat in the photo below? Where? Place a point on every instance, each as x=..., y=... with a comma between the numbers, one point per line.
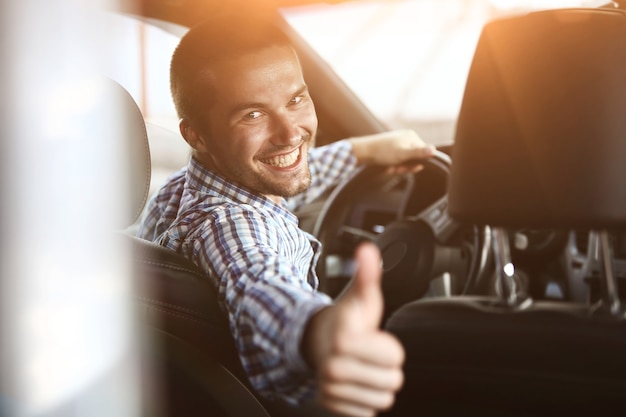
x=176, y=298
x=478, y=356
x=540, y=142
x=193, y=367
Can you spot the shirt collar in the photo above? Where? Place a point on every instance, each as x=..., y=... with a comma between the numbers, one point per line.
x=201, y=179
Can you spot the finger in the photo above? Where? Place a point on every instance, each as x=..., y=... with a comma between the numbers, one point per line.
x=357, y=396
x=362, y=302
x=378, y=349
x=369, y=272
x=342, y=408
x=420, y=152
x=406, y=168
x=350, y=371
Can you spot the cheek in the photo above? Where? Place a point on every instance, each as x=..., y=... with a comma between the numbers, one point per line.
x=231, y=143
x=309, y=118
x=244, y=144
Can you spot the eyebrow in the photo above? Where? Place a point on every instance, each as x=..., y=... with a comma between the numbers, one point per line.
x=301, y=90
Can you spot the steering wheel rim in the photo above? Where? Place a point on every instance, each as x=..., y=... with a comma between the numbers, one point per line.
x=362, y=174
x=330, y=224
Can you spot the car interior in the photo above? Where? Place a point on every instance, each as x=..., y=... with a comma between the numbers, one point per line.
x=504, y=259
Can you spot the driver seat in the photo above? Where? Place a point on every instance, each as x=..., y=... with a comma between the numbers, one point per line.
x=540, y=143
x=189, y=365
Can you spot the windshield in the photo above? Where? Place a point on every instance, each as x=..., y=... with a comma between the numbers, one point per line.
x=407, y=60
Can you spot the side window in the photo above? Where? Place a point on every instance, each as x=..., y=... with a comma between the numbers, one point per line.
x=137, y=55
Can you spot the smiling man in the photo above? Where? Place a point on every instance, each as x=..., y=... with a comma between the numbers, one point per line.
x=246, y=111
x=259, y=129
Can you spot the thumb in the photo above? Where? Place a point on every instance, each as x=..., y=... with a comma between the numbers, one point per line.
x=364, y=295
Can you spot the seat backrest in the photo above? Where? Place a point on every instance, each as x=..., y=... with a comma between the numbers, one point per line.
x=177, y=298
x=540, y=136
x=188, y=337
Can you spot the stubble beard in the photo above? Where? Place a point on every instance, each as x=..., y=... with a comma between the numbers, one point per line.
x=299, y=182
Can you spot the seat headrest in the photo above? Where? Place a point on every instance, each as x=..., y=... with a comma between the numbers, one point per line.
x=135, y=148
x=541, y=135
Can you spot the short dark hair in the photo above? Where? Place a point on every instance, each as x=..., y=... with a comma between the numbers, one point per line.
x=223, y=37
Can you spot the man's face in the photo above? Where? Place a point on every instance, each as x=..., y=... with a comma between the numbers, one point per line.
x=261, y=123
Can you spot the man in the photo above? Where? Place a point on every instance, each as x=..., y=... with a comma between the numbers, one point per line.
x=247, y=114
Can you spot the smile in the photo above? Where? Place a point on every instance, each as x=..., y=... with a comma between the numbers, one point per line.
x=283, y=161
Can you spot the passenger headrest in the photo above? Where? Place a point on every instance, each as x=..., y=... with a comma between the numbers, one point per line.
x=541, y=135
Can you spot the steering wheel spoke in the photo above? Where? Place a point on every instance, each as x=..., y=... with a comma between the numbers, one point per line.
x=437, y=218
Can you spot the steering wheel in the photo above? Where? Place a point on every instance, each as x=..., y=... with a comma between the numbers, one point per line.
x=406, y=216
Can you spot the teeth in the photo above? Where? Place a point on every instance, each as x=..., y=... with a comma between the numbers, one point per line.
x=283, y=161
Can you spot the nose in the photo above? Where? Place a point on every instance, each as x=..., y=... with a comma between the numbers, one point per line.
x=286, y=130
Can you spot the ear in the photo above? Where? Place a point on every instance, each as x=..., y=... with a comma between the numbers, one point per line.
x=192, y=136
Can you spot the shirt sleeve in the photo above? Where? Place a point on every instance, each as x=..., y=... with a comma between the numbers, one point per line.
x=268, y=302
x=149, y=219
x=329, y=165
x=162, y=207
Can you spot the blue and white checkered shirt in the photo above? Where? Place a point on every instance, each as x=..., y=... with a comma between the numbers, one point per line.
x=263, y=263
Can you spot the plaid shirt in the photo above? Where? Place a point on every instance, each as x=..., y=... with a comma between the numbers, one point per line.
x=264, y=264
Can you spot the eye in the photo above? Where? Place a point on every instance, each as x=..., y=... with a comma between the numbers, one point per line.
x=296, y=100
x=253, y=115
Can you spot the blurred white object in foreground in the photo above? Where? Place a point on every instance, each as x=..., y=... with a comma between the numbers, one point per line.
x=67, y=326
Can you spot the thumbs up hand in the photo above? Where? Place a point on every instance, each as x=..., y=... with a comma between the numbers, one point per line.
x=359, y=366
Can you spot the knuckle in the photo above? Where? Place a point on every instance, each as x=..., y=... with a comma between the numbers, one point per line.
x=341, y=345
x=333, y=370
